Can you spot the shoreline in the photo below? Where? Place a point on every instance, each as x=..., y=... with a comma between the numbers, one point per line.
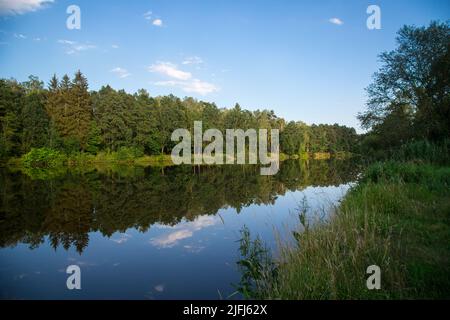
x=396, y=217
x=81, y=160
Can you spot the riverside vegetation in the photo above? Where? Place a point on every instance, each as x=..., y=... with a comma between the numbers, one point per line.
x=66, y=123
x=398, y=214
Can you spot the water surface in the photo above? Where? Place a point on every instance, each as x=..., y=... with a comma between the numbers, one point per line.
x=150, y=233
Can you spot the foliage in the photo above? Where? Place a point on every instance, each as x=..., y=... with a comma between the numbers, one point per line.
x=410, y=96
x=423, y=150
x=43, y=158
x=94, y=139
x=69, y=118
x=397, y=218
x=256, y=265
x=128, y=153
x=69, y=108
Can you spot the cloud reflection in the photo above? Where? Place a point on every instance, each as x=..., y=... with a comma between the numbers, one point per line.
x=183, y=230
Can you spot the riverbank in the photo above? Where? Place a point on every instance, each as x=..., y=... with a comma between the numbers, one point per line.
x=317, y=156
x=397, y=217
x=45, y=158
x=50, y=158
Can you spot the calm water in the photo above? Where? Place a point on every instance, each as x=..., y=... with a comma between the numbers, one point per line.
x=146, y=233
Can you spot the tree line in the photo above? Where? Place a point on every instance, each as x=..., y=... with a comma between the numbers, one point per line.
x=66, y=116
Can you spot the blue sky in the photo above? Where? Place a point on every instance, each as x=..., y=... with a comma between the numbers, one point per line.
x=307, y=60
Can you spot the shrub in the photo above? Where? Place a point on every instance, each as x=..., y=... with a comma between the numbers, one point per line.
x=438, y=153
x=43, y=158
x=428, y=175
x=128, y=153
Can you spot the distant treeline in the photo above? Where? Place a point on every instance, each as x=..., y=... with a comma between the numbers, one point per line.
x=67, y=117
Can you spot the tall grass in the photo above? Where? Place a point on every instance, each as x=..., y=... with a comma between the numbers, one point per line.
x=48, y=158
x=422, y=151
x=397, y=217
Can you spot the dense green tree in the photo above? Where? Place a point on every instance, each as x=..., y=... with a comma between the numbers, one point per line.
x=144, y=122
x=68, y=117
x=11, y=101
x=170, y=115
x=94, y=140
x=34, y=118
x=70, y=110
x=409, y=97
x=290, y=139
x=112, y=112
x=35, y=122
x=81, y=109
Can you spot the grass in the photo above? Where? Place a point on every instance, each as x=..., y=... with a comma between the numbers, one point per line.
x=317, y=155
x=49, y=158
x=397, y=217
x=45, y=158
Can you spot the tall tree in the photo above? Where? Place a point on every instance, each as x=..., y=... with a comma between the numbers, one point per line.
x=70, y=109
x=35, y=122
x=11, y=101
x=413, y=83
x=81, y=109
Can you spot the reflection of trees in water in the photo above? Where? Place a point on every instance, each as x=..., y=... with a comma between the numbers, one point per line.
x=65, y=208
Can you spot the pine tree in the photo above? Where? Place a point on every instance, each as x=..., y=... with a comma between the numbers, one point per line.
x=69, y=107
x=79, y=122
x=11, y=101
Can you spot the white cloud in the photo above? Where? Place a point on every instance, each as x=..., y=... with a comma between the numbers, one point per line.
x=19, y=36
x=12, y=7
x=193, y=60
x=191, y=86
x=73, y=47
x=159, y=288
x=336, y=21
x=170, y=70
x=148, y=15
x=203, y=222
x=185, y=230
x=200, y=87
x=123, y=237
x=157, y=22
x=181, y=79
x=171, y=239
x=66, y=42
x=121, y=72
x=115, y=46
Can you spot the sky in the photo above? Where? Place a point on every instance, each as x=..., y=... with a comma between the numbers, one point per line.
x=306, y=60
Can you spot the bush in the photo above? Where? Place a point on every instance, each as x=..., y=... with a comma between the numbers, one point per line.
x=43, y=158
x=428, y=175
x=79, y=158
x=438, y=153
x=128, y=153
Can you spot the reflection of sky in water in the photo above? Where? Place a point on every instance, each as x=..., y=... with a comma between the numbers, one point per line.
x=193, y=259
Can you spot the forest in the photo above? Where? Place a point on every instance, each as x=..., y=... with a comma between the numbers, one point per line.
x=65, y=116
